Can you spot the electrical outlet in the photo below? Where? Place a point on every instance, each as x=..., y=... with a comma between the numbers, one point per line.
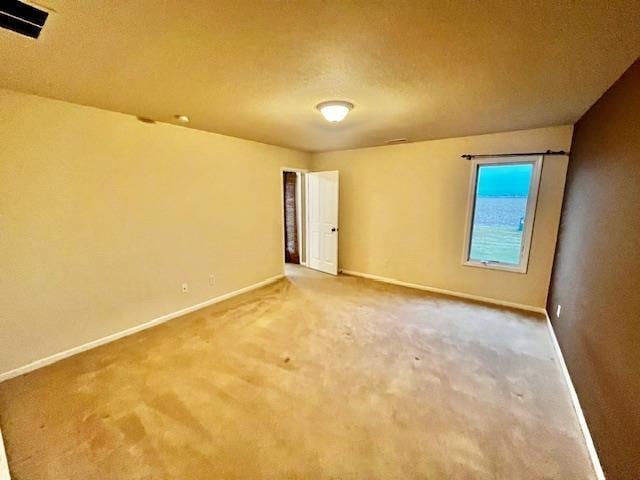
x=558, y=308
x=185, y=288
x=212, y=279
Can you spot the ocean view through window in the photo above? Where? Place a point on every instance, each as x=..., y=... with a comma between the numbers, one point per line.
x=502, y=206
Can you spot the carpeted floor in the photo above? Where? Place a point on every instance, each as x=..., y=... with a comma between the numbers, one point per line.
x=314, y=377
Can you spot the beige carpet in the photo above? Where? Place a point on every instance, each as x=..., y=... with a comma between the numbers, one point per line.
x=314, y=377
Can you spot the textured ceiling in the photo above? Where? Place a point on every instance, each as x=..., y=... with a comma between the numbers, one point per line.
x=256, y=69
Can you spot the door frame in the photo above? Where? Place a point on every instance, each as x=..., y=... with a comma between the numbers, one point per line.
x=300, y=213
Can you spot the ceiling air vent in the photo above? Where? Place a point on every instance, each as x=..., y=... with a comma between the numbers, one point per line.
x=22, y=18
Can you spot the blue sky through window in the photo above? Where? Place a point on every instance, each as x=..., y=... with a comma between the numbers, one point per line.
x=504, y=180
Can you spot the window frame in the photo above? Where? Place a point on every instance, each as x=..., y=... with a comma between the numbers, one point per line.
x=530, y=213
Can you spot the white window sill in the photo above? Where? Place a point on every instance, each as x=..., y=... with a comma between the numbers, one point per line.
x=497, y=266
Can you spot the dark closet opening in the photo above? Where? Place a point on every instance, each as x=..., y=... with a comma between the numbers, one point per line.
x=291, y=244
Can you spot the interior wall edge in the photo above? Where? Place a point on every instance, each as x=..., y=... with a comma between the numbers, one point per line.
x=43, y=362
x=575, y=401
x=453, y=293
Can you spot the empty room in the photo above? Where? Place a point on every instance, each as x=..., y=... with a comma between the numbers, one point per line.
x=319, y=239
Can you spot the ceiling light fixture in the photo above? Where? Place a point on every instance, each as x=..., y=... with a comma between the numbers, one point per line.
x=335, y=110
x=182, y=118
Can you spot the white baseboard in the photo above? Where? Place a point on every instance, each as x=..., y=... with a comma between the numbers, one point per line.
x=130, y=331
x=4, y=464
x=591, y=448
x=453, y=293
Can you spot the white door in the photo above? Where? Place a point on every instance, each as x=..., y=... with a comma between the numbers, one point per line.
x=322, y=204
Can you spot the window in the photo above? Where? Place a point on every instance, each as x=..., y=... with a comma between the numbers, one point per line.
x=502, y=206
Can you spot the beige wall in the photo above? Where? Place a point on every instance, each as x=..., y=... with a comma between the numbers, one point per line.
x=403, y=210
x=102, y=218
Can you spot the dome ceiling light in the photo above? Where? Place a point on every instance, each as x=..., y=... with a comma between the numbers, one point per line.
x=334, y=111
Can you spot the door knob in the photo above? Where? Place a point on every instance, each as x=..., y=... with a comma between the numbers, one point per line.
x=334, y=229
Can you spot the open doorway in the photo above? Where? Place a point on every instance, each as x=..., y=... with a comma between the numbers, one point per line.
x=294, y=218
x=310, y=219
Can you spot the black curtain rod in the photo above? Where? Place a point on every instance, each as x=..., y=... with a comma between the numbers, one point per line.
x=469, y=156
